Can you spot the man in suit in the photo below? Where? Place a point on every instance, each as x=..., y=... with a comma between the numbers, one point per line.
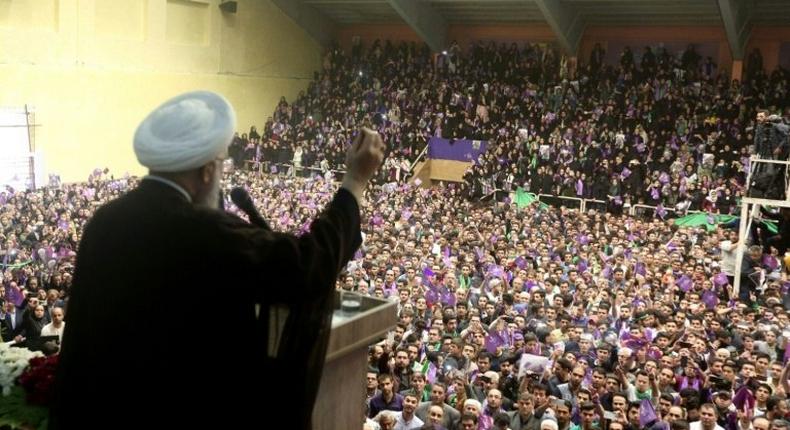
x=130, y=358
x=11, y=321
x=438, y=394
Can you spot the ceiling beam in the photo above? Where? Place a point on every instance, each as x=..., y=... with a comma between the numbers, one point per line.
x=429, y=24
x=736, y=17
x=315, y=23
x=566, y=22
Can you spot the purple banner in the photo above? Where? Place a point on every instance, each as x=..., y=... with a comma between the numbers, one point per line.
x=455, y=149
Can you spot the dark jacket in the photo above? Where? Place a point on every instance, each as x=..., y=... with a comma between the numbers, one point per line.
x=153, y=274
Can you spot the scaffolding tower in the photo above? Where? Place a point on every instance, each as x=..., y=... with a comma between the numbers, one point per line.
x=750, y=209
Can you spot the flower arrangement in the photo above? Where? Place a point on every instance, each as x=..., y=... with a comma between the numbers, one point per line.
x=13, y=361
x=26, y=379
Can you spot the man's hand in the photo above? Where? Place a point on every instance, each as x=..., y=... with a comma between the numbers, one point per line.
x=363, y=158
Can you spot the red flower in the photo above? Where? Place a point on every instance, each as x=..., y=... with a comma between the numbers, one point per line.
x=38, y=380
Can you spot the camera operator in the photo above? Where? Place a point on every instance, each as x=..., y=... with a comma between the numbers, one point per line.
x=771, y=136
x=771, y=143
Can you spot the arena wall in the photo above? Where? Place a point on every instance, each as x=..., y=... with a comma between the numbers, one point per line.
x=92, y=69
x=463, y=34
x=771, y=41
x=711, y=41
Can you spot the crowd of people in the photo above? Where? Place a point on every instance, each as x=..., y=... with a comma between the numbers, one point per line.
x=547, y=315
x=539, y=318
x=653, y=129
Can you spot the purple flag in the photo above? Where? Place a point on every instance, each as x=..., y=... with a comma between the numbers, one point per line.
x=495, y=340
x=496, y=271
x=684, y=283
x=639, y=269
x=448, y=298
x=625, y=173
x=743, y=399
x=654, y=353
x=654, y=194
x=720, y=279
x=579, y=187
x=770, y=262
x=607, y=271
x=521, y=262
x=431, y=373
x=710, y=299
x=660, y=211
x=479, y=253
x=431, y=296
x=427, y=272
x=636, y=343
x=663, y=178
x=647, y=413
x=14, y=295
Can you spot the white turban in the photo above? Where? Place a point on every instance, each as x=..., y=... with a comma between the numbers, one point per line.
x=185, y=132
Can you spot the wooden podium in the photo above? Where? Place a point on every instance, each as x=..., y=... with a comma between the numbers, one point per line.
x=341, y=396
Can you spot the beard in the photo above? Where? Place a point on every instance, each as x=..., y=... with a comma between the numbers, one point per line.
x=211, y=198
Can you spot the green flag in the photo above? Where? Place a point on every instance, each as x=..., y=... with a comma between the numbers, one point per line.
x=524, y=199
x=697, y=220
x=712, y=222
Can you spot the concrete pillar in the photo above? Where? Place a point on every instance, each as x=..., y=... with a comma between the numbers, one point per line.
x=737, y=70
x=572, y=65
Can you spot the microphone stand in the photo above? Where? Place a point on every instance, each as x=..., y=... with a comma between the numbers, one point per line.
x=301, y=347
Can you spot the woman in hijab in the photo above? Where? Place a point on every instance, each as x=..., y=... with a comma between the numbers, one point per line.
x=31, y=329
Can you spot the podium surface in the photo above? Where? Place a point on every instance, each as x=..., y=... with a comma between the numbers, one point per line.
x=341, y=395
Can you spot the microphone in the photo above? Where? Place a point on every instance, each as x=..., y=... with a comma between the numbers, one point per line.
x=241, y=198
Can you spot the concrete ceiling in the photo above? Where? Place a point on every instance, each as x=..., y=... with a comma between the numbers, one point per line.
x=564, y=16
x=619, y=12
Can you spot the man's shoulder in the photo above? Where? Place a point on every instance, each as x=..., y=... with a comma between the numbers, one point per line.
x=451, y=410
x=423, y=406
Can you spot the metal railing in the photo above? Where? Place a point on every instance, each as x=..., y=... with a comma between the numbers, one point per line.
x=595, y=204
x=417, y=160
x=259, y=165
x=552, y=200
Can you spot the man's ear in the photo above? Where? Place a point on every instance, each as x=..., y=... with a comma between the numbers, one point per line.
x=207, y=172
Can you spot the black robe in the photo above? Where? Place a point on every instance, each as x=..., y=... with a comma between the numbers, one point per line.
x=162, y=329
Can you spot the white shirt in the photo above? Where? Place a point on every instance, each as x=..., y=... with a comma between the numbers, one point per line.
x=697, y=425
x=728, y=251
x=401, y=424
x=50, y=330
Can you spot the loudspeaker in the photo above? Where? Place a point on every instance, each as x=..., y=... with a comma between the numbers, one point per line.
x=228, y=6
